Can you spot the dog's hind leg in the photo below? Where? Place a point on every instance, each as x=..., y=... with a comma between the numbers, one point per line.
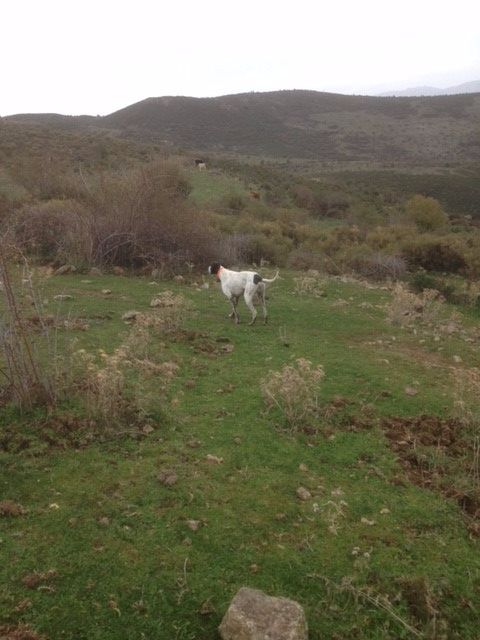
x=248, y=295
x=261, y=293
x=234, y=313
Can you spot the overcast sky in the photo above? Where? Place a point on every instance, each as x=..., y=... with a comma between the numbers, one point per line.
x=97, y=56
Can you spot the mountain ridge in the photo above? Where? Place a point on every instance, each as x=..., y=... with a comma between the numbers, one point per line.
x=472, y=86
x=312, y=125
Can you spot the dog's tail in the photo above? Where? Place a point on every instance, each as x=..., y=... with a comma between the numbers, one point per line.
x=270, y=280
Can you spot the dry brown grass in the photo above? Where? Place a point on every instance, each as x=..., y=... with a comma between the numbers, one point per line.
x=406, y=307
x=9, y=508
x=26, y=378
x=19, y=632
x=113, y=385
x=312, y=284
x=294, y=391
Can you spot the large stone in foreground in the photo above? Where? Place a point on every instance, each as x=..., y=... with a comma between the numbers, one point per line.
x=252, y=615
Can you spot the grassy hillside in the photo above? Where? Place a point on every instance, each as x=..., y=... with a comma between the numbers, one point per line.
x=103, y=545
x=306, y=124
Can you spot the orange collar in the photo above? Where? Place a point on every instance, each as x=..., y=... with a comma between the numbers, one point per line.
x=217, y=275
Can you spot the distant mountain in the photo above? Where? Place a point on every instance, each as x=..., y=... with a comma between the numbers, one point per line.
x=466, y=87
x=299, y=124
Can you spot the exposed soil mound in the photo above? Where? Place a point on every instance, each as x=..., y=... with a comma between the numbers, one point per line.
x=435, y=453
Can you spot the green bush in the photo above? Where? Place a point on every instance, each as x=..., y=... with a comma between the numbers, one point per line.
x=426, y=213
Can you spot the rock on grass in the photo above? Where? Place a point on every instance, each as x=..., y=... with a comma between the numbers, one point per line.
x=253, y=615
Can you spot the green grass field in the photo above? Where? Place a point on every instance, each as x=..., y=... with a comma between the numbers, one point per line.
x=110, y=547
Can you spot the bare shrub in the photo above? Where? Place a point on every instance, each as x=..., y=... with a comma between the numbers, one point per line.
x=235, y=249
x=466, y=385
x=311, y=284
x=112, y=386
x=294, y=391
x=302, y=258
x=28, y=379
x=406, y=307
x=380, y=266
x=132, y=218
x=434, y=254
x=466, y=391
x=57, y=230
x=171, y=310
x=473, y=293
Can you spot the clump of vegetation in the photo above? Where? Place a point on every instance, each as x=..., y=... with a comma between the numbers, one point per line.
x=407, y=307
x=29, y=380
x=170, y=315
x=294, y=391
x=134, y=218
x=312, y=284
x=113, y=386
x=427, y=213
x=434, y=254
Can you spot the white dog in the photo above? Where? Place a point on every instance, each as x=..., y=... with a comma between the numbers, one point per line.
x=236, y=283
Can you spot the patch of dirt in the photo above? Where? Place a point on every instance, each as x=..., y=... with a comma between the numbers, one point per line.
x=37, y=579
x=203, y=343
x=430, y=431
x=20, y=632
x=66, y=431
x=10, y=508
x=414, y=438
x=420, y=598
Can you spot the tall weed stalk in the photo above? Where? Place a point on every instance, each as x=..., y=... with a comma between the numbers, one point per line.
x=27, y=379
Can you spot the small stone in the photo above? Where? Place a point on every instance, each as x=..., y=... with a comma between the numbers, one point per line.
x=194, y=444
x=227, y=348
x=237, y=440
x=370, y=523
x=62, y=297
x=104, y=521
x=65, y=268
x=106, y=292
x=206, y=608
x=302, y=467
x=130, y=315
x=213, y=459
x=303, y=494
x=457, y=359
x=167, y=478
x=194, y=525
x=178, y=278
x=411, y=391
